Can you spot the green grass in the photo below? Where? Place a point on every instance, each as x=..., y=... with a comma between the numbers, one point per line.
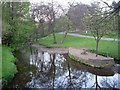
x=8, y=66
x=107, y=48
x=0, y=61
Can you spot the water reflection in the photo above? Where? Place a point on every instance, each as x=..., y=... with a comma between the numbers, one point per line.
x=58, y=71
x=55, y=71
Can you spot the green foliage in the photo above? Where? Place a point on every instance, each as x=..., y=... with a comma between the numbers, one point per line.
x=0, y=61
x=108, y=48
x=22, y=34
x=8, y=66
x=17, y=25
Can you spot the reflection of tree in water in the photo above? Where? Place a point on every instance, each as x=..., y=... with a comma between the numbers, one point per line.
x=44, y=69
x=78, y=78
x=96, y=85
x=56, y=72
x=51, y=71
x=111, y=83
x=45, y=74
x=106, y=83
x=71, y=79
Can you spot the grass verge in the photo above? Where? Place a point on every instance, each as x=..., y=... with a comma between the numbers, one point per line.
x=8, y=66
x=106, y=48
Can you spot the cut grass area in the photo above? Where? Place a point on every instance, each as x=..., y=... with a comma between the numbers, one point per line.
x=8, y=66
x=107, y=48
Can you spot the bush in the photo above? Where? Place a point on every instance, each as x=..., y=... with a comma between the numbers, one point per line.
x=8, y=66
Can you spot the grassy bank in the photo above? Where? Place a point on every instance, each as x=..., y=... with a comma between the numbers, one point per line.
x=107, y=48
x=8, y=66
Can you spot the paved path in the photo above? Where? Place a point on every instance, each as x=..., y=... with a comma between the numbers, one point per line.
x=84, y=36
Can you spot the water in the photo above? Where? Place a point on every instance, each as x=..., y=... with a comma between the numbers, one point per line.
x=40, y=70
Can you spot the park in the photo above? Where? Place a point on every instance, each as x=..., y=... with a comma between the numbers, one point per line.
x=60, y=45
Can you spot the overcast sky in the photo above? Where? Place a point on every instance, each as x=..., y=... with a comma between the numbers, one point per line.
x=65, y=2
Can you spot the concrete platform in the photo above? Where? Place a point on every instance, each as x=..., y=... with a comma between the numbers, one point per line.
x=51, y=50
x=90, y=58
x=80, y=55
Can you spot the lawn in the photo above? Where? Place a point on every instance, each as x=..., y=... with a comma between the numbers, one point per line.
x=107, y=48
x=8, y=67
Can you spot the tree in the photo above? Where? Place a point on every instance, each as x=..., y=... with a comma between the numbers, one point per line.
x=96, y=25
x=17, y=25
x=39, y=13
x=46, y=13
x=51, y=18
x=64, y=24
x=76, y=14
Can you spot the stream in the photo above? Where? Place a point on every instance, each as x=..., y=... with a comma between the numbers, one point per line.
x=40, y=70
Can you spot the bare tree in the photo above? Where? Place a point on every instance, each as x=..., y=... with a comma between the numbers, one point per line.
x=76, y=13
x=64, y=23
x=97, y=23
x=46, y=13
x=39, y=13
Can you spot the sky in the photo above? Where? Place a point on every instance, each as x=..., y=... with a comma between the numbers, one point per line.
x=65, y=2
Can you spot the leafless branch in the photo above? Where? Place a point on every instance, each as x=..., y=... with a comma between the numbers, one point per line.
x=107, y=4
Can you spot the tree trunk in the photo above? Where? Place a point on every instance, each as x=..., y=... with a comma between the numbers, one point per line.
x=53, y=62
x=42, y=29
x=53, y=23
x=97, y=44
x=51, y=28
x=62, y=41
x=54, y=38
x=96, y=82
x=70, y=85
x=12, y=9
x=65, y=34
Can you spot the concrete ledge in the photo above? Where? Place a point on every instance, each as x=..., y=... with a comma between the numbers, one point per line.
x=80, y=55
x=50, y=50
x=90, y=58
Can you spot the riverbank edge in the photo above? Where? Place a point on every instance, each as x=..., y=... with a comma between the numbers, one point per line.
x=90, y=59
x=99, y=63
x=88, y=62
x=106, y=48
x=9, y=60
